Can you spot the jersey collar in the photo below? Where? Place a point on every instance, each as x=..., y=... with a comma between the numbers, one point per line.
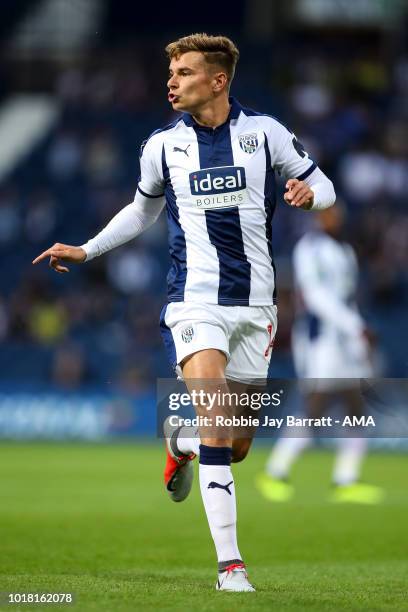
x=233, y=114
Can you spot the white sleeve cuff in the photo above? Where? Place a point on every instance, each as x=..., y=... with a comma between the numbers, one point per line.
x=323, y=189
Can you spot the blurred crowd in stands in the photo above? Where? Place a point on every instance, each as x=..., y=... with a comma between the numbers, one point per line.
x=99, y=323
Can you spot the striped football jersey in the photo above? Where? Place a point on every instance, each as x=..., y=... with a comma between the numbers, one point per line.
x=219, y=186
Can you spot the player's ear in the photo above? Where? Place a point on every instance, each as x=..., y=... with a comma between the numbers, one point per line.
x=220, y=81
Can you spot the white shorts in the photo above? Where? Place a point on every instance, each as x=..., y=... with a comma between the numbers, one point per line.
x=333, y=363
x=244, y=334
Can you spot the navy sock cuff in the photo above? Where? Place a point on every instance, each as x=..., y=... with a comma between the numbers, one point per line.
x=215, y=455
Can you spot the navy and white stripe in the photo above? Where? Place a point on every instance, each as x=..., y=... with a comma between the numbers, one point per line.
x=220, y=194
x=223, y=226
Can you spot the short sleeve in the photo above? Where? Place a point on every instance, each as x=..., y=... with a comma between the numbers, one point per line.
x=151, y=181
x=290, y=158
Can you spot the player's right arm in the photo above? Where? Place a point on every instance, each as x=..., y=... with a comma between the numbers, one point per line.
x=129, y=222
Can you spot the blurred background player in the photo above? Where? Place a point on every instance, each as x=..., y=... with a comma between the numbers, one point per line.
x=332, y=349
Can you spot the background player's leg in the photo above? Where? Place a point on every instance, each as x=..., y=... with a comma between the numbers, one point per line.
x=287, y=450
x=272, y=484
x=284, y=454
x=351, y=450
x=349, y=457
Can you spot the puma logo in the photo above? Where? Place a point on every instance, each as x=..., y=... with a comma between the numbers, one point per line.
x=179, y=150
x=216, y=485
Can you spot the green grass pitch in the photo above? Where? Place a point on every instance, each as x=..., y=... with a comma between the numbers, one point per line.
x=95, y=520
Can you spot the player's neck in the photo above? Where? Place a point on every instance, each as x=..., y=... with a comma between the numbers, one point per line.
x=214, y=114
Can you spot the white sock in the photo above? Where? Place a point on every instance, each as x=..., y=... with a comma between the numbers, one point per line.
x=218, y=493
x=349, y=456
x=188, y=440
x=283, y=455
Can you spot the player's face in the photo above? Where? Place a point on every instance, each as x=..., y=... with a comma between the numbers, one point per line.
x=191, y=82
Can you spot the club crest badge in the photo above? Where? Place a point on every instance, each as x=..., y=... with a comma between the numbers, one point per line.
x=187, y=334
x=248, y=142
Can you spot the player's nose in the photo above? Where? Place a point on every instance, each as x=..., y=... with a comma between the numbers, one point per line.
x=172, y=82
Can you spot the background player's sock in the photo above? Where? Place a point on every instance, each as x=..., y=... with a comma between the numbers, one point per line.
x=284, y=453
x=218, y=493
x=349, y=456
x=188, y=440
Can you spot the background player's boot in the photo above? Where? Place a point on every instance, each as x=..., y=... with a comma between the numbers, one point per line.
x=274, y=489
x=357, y=493
x=234, y=578
x=178, y=472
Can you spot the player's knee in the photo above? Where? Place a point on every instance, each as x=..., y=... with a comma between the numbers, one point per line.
x=240, y=451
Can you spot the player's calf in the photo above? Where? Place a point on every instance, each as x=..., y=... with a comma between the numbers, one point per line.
x=240, y=449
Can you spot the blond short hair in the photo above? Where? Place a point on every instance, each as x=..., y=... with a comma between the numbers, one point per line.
x=217, y=50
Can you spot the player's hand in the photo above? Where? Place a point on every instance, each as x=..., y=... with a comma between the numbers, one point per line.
x=299, y=194
x=62, y=253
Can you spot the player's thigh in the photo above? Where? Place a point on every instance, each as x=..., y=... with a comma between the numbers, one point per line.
x=189, y=329
x=204, y=364
x=201, y=340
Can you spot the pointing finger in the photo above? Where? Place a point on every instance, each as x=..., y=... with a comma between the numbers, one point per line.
x=43, y=255
x=52, y=252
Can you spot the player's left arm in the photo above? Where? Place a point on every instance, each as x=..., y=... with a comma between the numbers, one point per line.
x=307, y=186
